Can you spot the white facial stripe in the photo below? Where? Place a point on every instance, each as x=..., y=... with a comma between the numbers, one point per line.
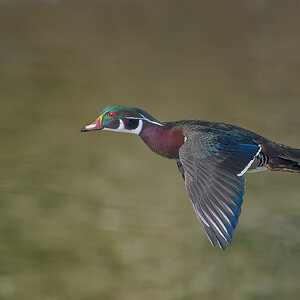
x=122, y=128
x=137, y=130
x=145, y=119
x=250, y=163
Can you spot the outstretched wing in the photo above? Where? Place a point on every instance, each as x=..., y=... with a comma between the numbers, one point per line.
x=213, y=168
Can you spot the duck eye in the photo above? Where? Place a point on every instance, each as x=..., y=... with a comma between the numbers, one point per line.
x=111, y=114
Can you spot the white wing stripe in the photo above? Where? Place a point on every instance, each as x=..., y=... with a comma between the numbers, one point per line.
x=250, y=163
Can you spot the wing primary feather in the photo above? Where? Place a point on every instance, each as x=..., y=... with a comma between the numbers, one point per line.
x=196, y=206
x=211, y=235
x=232, y=195
x=218, y=219
x=221, y=218
x=211, y=219
x=214, y=218
x=223, y=214
x=208, y=221
x=223, y=203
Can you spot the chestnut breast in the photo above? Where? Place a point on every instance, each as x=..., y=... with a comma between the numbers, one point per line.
x=164, y=140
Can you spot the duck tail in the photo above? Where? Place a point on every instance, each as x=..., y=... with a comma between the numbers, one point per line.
x=282, y=158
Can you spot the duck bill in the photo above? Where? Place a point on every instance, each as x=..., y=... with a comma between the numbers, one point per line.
x=97, y=125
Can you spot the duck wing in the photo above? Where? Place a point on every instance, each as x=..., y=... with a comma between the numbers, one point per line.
x=213, y=167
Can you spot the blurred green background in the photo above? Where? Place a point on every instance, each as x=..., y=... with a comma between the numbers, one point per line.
x=98, y=216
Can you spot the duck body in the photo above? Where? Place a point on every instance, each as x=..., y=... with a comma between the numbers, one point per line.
x=166, y=140
x=212, y=158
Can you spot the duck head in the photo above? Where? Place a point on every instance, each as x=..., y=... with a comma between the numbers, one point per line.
x=122, y=119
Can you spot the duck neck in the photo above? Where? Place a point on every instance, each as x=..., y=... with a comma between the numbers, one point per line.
x=164, y=139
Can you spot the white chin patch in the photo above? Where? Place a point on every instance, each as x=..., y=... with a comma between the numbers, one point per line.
x=122, y=128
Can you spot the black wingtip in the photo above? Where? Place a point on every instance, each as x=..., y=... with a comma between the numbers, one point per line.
x=83, y=129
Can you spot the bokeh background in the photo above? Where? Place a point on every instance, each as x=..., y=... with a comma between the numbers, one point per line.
x=98, y=216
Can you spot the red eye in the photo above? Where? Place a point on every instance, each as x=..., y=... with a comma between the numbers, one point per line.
x=111, y=114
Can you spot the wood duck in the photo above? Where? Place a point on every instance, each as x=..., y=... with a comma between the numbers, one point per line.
x=212, y=157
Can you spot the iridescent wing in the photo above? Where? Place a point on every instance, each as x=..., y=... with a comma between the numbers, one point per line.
x=213, y=167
